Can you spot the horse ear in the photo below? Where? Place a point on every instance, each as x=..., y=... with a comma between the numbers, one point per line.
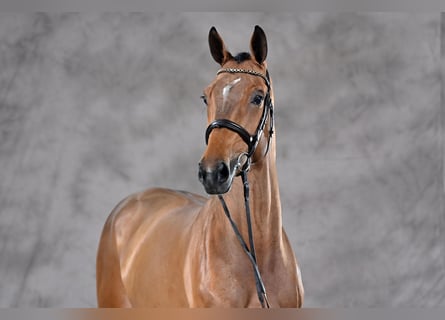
x=258, y=45
x=217, y=47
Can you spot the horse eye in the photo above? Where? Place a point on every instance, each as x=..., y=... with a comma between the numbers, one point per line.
x=204, y=99
x=257, y=100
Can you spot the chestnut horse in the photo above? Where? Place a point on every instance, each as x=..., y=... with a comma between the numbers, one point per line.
x=166, y=248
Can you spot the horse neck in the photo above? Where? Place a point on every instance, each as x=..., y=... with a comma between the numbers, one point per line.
x=264, y=203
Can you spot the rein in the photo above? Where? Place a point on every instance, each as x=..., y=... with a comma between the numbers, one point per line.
x=252, y=143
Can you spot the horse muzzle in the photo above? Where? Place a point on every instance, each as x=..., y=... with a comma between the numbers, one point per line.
x=217, y=177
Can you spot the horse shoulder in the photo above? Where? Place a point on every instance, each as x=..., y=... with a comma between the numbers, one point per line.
x=110, y=288
x=294, y=270
x=150, y=229
x=138, y=213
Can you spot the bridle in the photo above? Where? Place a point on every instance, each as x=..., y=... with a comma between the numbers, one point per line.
x=252, y=144
x=251, y=140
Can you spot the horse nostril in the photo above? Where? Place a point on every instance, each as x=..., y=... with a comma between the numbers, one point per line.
x=223, y=172
x=215, y=178
x=201, y=173
x=216, y=175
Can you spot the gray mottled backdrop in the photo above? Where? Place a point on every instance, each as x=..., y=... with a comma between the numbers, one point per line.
x=94, y=107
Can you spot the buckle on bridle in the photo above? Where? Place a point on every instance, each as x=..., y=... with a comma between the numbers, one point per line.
x=243, y=164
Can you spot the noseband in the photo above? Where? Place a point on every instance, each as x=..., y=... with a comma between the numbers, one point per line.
x=252, y=143
x=250, y=140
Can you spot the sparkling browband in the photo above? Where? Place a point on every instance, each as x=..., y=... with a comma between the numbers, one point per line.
x=248, y=71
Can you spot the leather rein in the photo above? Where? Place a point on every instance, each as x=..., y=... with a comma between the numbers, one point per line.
x=252, y=144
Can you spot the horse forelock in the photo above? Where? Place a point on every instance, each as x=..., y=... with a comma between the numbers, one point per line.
x=242, y=56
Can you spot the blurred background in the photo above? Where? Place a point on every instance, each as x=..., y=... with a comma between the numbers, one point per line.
x=94, y=107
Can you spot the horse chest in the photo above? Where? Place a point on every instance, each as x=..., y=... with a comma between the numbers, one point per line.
x=229, y=281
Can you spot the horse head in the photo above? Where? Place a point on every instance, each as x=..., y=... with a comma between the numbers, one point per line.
x=239, y=105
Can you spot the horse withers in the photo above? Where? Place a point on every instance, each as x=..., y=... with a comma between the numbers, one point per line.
x=167, y=248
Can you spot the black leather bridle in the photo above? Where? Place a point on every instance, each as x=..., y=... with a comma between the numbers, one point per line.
x=252, y=143
x=251, y=140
